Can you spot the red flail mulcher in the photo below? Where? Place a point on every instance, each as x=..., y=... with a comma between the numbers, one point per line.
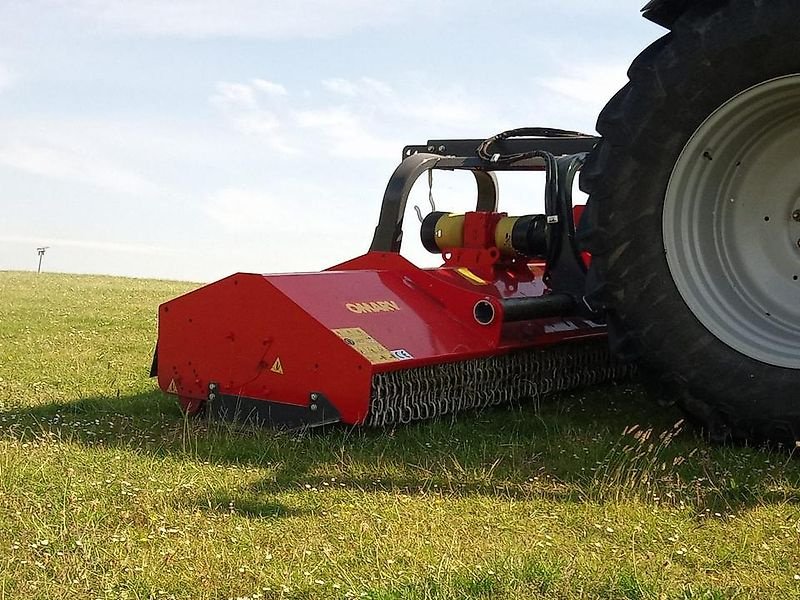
x=377, y=340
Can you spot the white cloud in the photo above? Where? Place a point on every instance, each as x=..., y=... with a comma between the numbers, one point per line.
x=130, y=157
x=231, y=96
x=345, y=132
x=340, y=86
x=76, y=165
x=290, y=225
x=239, y=95
x=363, y=116
x=245, y=18
x=241, y=210
x=7, y=78
x=55, y=242
x=416, y=102
x=257, y=122
x=364, y=87
x=242, y=104
x=270, y=87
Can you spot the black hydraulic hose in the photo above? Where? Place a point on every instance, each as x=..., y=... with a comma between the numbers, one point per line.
x=543, y=132
x=553, y=184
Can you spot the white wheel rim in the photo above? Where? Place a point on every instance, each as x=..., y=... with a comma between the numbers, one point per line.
x=730, y=226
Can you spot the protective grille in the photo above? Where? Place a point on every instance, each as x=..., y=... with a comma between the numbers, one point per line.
x=432, y=391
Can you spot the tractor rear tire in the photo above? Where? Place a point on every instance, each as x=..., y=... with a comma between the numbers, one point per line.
x=693, y=218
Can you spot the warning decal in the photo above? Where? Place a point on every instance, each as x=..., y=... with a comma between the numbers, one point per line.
x=172, y=388
x=277, y=367
x=366, y=345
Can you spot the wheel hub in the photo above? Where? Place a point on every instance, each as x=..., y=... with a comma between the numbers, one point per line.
x=731, y=223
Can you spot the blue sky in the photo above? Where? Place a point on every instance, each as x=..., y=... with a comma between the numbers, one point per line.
x=193, y=139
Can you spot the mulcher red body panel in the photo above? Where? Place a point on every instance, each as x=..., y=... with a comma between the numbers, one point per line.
x=282, y=338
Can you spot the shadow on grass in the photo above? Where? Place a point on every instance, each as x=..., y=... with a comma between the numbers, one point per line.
x=572, y=449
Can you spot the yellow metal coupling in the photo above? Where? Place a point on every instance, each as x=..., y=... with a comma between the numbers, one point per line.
x=503, y=237
x=442, y=231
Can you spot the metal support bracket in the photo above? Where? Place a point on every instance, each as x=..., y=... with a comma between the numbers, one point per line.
x=264, y=413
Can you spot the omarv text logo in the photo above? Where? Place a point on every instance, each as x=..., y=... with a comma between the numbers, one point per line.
x=380, y=306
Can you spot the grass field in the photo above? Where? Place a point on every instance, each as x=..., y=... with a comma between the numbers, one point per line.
x=106, y=491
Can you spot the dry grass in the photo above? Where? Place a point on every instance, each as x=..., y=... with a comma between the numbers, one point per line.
x=106, y=491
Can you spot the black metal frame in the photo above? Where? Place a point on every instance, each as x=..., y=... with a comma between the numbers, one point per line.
x=557, y=146
x=566, y=272
x=451, y=155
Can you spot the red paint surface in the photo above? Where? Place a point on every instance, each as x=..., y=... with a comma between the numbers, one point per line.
x=232, y=332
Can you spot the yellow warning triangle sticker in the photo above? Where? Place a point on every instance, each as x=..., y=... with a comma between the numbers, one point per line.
x=277, y=367
x=172, y=388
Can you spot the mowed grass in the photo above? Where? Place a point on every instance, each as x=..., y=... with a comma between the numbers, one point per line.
x=106, y=491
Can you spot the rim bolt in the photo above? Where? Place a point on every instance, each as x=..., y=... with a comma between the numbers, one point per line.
x=796, y=215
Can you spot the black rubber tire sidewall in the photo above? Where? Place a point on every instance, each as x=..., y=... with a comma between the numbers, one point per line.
x=714, y=51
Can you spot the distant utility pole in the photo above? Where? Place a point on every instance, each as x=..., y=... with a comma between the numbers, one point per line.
x=41, y=252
